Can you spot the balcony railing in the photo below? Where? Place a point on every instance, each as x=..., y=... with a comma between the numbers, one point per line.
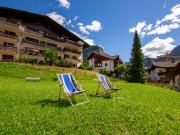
x=73, y=42
x=50, y=36
x=53, y=37
x=78, y=60
x=71, y=51
x=8, y=48
x=31, y=42
x=31, y=52
x=8, y=35
x=39, y=44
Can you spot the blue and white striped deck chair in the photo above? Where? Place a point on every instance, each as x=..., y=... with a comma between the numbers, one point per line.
x=69, y=84
x=107, y=86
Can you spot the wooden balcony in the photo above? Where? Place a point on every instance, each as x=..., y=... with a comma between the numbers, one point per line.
x=8, y=50
x=51, y=36
x=40, y=44
x=71, y=51
x=73, y=60
x=73, y=42
x=31, y=52
x=2, y=34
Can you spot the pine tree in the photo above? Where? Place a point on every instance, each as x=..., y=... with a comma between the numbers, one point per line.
x=136, y=70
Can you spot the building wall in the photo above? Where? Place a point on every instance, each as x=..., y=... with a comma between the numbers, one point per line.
x=91, y=63
x=108, y=65
x=177, y=81
x=153, y=75
x=22, y=32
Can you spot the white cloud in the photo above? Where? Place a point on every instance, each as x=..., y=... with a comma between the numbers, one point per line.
x=95, y=26
x=158, y=47
x=80, y=24
x=64, y=3
x=138, y=27
x=57, y=17
x=142, y=28
x=148, y=27
x=75, y=18
x=72, y=26
x=89, y=41
x=68, y=22
x=163, y=29
x=83, y=30
x=173, y=17
x=167, y=24
x=85, y=38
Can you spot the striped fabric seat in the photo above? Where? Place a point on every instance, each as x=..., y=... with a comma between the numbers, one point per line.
x=104, y=81
x=69, y=85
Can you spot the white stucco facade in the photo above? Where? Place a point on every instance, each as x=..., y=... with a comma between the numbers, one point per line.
x=108, y=65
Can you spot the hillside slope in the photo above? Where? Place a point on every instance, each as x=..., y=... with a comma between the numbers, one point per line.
x=44, y=72
x=33, y=107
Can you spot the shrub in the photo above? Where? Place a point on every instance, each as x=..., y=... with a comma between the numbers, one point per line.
x=65, y=63
x=105, y=72
x=25, y=60
x=120, y=71
x=50, y=56
x=85, y=65
x=41, y=62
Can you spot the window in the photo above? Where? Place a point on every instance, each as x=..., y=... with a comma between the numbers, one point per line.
x=74, y=57
x=66, y=56
x=10, y=33
x=32, y=39
x=51, y=45
x=9, y=44
x=106, y=64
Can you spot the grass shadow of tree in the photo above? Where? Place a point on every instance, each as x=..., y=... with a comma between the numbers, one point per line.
x=53, y=103
x=101, y=96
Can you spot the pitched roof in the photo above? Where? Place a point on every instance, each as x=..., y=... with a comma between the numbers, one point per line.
x=103, y=56
x=42, y=19
x=166, y=64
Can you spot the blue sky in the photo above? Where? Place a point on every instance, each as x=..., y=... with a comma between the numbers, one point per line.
x=111, y=23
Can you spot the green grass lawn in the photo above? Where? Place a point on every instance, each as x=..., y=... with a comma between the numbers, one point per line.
x=33, y=107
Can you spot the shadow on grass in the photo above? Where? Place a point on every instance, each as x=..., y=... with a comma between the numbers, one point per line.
x=101, y=96
x=106, y=96
x=53, y=103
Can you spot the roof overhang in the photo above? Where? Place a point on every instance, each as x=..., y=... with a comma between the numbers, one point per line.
x=42, y=19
